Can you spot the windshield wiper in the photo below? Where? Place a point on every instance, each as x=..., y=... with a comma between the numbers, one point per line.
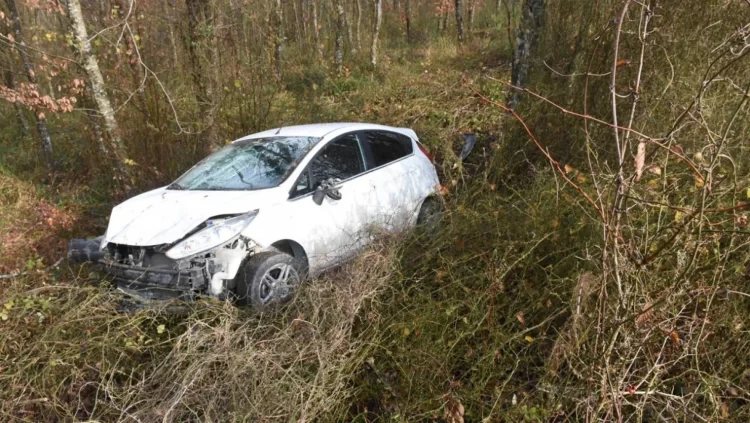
x=175, y=186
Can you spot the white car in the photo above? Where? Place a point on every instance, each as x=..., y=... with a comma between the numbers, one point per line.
x=252, y=219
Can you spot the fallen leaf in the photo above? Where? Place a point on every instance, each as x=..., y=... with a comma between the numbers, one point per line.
x=655, y=169
x=520, y=318
x=160, y=329
x=640, y=161
x=529, y=339
x=675, y=337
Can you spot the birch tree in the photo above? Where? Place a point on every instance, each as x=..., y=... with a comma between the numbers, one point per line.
x=376, y=32
x=316, y=29
x=278, y=34
x=96, y=81
x=338, y=51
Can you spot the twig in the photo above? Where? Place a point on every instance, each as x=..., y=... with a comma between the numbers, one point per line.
x=649, y=139
x=15, y=275
x=539, y=146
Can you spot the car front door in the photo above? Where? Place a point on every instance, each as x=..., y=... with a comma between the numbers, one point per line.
x=335, y=227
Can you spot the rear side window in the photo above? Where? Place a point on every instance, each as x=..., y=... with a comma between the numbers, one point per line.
x=386, y=147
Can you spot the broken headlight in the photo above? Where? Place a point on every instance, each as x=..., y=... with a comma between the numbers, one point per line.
x=215, y=235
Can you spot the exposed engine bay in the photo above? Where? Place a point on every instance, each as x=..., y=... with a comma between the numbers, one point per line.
x=148, y=271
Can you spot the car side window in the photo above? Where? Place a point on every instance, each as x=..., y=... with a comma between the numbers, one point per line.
x=387, y=146
x=339, y=159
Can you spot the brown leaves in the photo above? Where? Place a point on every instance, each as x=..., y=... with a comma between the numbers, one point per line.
x=453, y=410
x=28, y=96
x=648, y=313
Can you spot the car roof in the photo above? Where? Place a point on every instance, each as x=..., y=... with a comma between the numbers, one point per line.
x=320, y=130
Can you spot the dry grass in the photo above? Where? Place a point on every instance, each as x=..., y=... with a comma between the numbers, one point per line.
x=71, y=354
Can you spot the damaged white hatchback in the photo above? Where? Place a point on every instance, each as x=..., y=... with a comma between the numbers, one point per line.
x=251, y=220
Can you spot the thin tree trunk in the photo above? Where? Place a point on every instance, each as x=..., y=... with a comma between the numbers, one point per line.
x=316, y=30
x=96, y=81
x=376, y=32
x=471, y=15
x=459, y=21
x=17, y=106
x=278, y=45
x=349, y=36
x=198, y=14
x=172, y=39
x=305, y=21
x=338, y=54
x=41, y=120
x=532, y=21
x=443, y=24
x=359, y=24
x=407, y=13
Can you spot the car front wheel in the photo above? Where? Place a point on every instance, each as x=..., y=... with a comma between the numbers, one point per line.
x=268, y=278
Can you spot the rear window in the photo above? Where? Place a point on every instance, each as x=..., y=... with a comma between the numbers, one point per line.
x=387, y=146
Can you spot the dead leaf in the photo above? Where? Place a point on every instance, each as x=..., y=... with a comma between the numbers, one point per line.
x=569, y=168
x=648, y=313
x=454, y=410
x=622, y=62
x=675, y=337
x=655, y=169
x=520, y=318
x=640, y=161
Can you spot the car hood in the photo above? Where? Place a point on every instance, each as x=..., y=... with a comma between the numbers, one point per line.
x=165, y=216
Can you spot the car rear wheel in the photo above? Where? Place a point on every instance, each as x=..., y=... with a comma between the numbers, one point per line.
x=430, y=213
x=268, y=278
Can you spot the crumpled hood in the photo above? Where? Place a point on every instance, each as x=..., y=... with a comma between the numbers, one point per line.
x=165, y=216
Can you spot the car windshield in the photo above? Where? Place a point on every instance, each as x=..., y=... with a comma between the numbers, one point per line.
x=247, y=165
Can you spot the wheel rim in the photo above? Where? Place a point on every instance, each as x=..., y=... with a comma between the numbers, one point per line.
x=278, y=283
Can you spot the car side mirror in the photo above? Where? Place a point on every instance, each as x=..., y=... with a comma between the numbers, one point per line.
x=319, y=195
x=327, y=188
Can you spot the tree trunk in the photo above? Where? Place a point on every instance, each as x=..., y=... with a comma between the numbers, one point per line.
x=96, y=81
x=359, y=24
x=338, y=54
x=349, y=36
x=407, y=13
x=471, y=15
x=278, y=45
x=459, y=21
x=532, y=22
x=376, y=32
x=316, y=29
x=22, y=122
x=41, y=120
x=198, y=36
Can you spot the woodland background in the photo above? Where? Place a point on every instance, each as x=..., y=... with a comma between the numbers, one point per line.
x=593, y=263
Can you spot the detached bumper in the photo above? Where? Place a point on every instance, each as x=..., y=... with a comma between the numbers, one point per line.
x=157, y=283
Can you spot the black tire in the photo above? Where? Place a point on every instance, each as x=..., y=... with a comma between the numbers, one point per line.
x=430, y=213
x=254, y=286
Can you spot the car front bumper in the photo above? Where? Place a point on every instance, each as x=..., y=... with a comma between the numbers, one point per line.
x=156, y=283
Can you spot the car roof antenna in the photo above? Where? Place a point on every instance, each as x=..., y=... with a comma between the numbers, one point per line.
x=279, y=130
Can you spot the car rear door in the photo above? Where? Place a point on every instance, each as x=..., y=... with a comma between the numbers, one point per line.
x=397, y=189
